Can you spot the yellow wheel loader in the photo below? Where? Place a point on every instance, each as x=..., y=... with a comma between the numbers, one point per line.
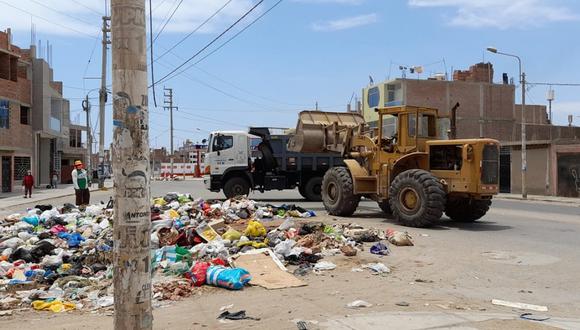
x=410, y=164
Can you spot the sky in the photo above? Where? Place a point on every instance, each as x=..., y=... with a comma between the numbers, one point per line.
x=303, y=52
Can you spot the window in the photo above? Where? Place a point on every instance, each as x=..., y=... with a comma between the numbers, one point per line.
x=427, y=126
x=373, y=97
x=21, y=166
x=4, y=114
x=223, y=142
x=24, y=115
x=389, y=126
x=75, y=138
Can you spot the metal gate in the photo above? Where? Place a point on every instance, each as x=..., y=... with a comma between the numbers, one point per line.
x=505, y=169
x=6, y=174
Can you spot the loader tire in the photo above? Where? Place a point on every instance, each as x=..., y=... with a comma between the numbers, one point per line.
x=337, y=192
x=236, y=186
x=466, y=209
x=313, y=188
x=417, y=198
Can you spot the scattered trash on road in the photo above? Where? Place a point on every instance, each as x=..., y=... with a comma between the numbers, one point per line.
x=358, y=304
x=519, y=305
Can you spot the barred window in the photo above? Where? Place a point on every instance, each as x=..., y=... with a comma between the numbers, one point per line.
x=21, y=166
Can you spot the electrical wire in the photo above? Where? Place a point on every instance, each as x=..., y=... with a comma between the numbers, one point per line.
x=87, y=7
x=61, y=13
x=210, y=43
x=166, y=22
x=194, y=30
x=235, y=35
x=47, y=20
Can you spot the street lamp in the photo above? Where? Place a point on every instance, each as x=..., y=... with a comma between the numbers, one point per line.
x=523, y=83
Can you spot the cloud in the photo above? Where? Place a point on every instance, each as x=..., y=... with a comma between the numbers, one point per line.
x=501, y=14
x=82, y=18
x=345, y=23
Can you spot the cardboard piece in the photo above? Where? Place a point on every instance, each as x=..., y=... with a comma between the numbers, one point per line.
x=266, y=272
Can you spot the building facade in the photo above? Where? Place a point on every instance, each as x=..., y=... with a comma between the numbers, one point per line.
x=16, y=154
x=36, y=132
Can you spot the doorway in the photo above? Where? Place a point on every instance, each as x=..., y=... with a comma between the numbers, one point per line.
x=505, y=160
x=6, y=174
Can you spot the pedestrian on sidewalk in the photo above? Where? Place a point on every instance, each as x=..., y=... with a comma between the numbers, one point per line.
x=28, y=182
x=80, y=180
x=54, y=180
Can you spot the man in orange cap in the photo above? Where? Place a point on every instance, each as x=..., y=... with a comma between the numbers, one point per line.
x=80, y=180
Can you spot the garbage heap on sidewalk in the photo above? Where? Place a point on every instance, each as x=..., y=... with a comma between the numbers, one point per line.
x=60, y=259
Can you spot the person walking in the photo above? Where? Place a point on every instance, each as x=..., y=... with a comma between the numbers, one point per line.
x=28, y=182
x=80, y=180
x=54, y=180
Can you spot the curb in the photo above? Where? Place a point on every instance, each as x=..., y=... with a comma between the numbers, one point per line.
x=539, y=199
x=52, y=197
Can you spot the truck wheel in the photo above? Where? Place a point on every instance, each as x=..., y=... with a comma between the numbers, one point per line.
x=384, y=205
x=337, y=192
x=467, y=209
x=236, y=186
x=312, y=189
x=417, y=198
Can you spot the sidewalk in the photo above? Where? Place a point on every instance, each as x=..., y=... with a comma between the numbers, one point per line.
x=42, y=194
x=541, y=198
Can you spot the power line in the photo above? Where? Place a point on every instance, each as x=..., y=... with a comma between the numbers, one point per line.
x=235, y=35
x=87, y=7
x=166, y=22
x=553, y=84
x=194, y=30
x=47, y=20
x=61, y=13
x=210, y=43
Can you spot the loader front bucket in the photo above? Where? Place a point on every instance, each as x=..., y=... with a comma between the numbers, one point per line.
x=319, y=131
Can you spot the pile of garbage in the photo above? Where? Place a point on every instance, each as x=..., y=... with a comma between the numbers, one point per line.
x=60, y=259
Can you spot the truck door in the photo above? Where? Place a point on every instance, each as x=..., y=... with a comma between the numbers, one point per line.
x=228, y=151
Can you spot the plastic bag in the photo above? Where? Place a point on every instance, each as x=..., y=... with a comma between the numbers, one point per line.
x=255, y=229
x=55, y=306
x=32, y=219
x=197, y=273
x=380, y=249
x=229, y=278
x=232, y=235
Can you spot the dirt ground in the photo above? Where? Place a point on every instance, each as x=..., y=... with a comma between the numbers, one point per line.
x=443, y=272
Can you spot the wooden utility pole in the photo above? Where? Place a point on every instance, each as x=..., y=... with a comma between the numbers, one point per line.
x=132, y=221
x=169, y=105
x=102, y=100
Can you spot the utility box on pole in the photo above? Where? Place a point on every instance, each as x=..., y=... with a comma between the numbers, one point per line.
x=132, y=217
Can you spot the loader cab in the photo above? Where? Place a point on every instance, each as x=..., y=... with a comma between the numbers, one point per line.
x=406, y=129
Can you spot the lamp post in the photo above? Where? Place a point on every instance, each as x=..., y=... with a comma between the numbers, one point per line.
x=523, y=83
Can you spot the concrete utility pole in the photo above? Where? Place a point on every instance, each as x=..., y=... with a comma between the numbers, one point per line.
x=132, y=240
x=103, y=100
x=169, y=100
x=87, y=108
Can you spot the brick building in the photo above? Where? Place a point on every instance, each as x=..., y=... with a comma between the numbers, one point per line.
x=36, y=132
x=489, y=110
x=16, y=154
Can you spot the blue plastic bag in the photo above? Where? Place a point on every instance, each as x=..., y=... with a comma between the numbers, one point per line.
x=380, y=249
x=32, y=220
x=229, y=278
